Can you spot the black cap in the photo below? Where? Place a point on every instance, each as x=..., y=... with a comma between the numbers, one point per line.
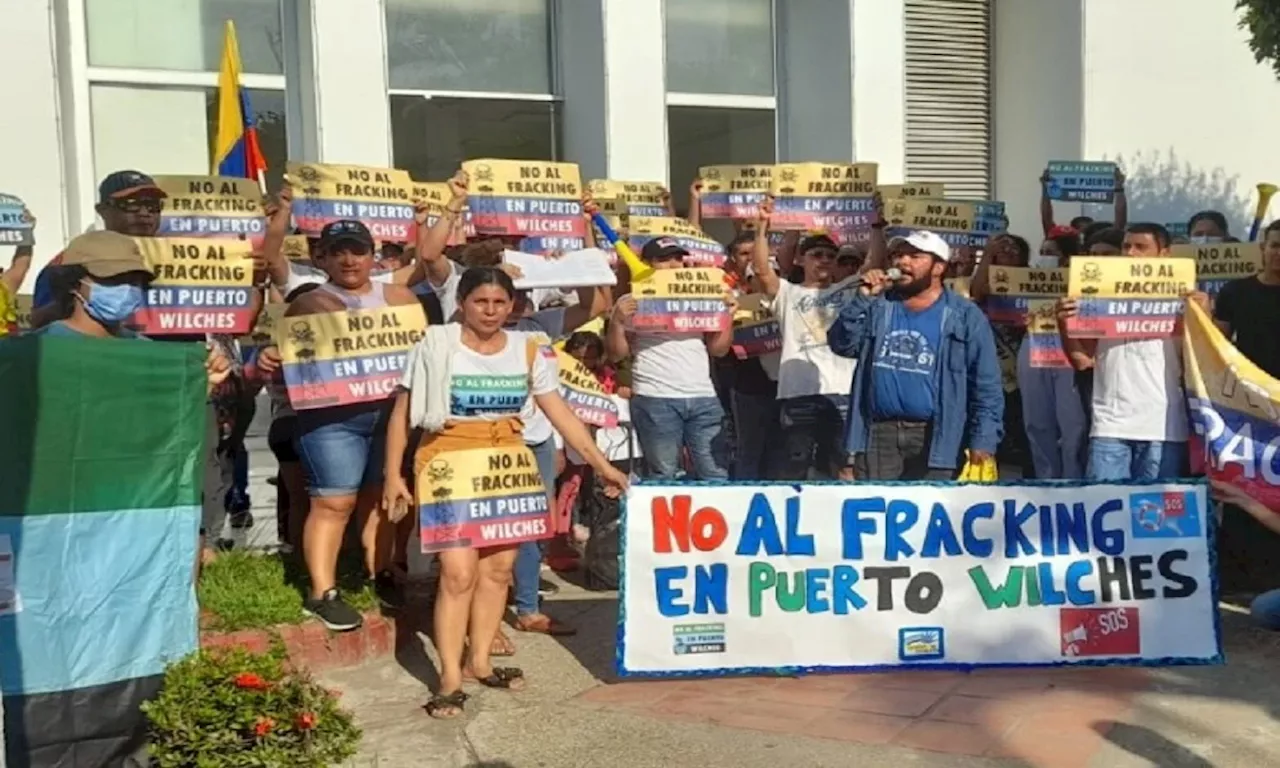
x=662, y=248
x=347, y=229
x=817, y=241
x=124, y=184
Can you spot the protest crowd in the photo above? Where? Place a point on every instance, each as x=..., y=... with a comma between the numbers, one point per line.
x=478, y=368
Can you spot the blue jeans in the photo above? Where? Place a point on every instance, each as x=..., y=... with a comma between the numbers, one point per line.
x=666, y=424
x=811, y=437
x=1111, y=458
x=528, y=565
x=755, y=417
x=342, y=448
x=1265, y=610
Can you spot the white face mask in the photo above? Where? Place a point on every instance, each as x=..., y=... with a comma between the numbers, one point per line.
x=1044, y=261
x=1205, y=239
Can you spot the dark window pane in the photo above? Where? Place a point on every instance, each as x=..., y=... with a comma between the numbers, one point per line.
x=700, y=136
x=431, y=137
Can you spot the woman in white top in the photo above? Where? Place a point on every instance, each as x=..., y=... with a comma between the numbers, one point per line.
x=470, y=386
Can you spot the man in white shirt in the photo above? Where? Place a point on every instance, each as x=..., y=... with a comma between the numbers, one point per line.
x=674, y=404
x=1139, y=409
x=813, y=382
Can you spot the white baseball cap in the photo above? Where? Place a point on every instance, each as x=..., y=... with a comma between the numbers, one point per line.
x=924, y=241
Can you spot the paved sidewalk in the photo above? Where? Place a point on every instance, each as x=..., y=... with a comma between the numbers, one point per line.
x=575, y=713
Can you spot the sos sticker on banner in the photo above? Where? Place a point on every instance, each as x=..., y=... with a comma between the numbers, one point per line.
x=340, y=358
x=211, y=206
x=681, y=301
x=733, y=191
x=379, y=197
x=483, y=497
x=866, y=576
x=583, y=393
x=1013, y=288
x=1219, y=263
x=822, y=196
x=704, y=250
x=1128, y=298
x=201, y=285
x=539, y=201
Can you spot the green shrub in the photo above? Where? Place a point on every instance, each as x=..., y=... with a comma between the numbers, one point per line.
x=228, y=708
x=246, y=590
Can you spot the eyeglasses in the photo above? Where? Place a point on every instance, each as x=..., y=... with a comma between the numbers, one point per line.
x=137, y=205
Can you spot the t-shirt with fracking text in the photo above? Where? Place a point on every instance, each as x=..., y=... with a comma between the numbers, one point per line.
x=904, y=368
x=501, y=385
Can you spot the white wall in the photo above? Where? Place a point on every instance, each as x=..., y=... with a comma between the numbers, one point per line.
x=1037, y=103
x=30, y=154
x=1171, y=88
x=879, y=87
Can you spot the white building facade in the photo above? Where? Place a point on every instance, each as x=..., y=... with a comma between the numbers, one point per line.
x=979, y=94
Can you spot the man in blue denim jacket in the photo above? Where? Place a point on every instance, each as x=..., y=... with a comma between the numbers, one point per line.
x=927, y=386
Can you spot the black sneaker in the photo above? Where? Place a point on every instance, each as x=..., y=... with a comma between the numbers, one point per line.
x=333, y=612
x=241, y=520
x=547, y=588
x=388, y=590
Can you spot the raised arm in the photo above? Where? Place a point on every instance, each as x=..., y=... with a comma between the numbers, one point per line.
x=1046, y=205
x=616, y=345
x=852, y=327
x=432, y=241
x=695, y=203
x=1122, y=202
x=279, y=215
x=766, y=278
x=877, y=246
x=1081, y=352
x=720, y=342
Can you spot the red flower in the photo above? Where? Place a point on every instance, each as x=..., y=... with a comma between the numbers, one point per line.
x=250, y=681
x=263, y=726
x=306, y=721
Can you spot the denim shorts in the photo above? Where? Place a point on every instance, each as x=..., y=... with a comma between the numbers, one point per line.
x=342, y=448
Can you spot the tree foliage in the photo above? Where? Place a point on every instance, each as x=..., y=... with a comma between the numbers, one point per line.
x=1262, y=20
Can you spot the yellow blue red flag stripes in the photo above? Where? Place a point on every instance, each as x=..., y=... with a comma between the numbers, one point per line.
x=100, y=463
x=236, y=151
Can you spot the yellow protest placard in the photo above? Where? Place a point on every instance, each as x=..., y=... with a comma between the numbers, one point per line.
x=1219, y=263
x=955, y=222
x=339, y=358
x=211, y=206
x=1120, y=297
x=539, y=201
x=924, y=189
x=1042, y=334
x=482, y=497
x=583, y=393
x=755, y=329
x=681, y=301
x=733, y=191
x=1012, y=289
x=201, y=285
x=640, y=198
x=832, y=197
x=382, y=198
x=704, y=250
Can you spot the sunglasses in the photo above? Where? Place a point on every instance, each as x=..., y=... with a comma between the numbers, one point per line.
x=137, y=205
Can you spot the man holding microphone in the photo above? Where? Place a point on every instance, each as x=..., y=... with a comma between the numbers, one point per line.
x=927, y=384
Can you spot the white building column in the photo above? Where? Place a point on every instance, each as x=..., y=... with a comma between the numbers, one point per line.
x=612, y=77
x=1038, y=96
x=336, y=75
x=816, y=54
x=879, y=87
x=30, y=138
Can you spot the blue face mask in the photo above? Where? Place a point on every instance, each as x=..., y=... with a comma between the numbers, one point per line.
x=113, y=304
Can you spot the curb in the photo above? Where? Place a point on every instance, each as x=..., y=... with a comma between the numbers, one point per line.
x=311, y=646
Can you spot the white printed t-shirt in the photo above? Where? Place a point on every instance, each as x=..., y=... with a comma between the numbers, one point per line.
x=1137, y=391
x=498, y=386
x=807, y=364
x=671, y=365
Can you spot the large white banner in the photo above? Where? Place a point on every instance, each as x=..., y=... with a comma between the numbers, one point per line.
x=734, y=578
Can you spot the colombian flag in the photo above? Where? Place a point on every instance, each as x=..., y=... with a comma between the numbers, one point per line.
x=235, y=151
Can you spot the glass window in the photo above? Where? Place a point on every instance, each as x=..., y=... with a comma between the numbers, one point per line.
x=701, y=136
x=170, y=130
x=431, y=137
x=479, y=45
x=720, y=46
x=183, y=34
